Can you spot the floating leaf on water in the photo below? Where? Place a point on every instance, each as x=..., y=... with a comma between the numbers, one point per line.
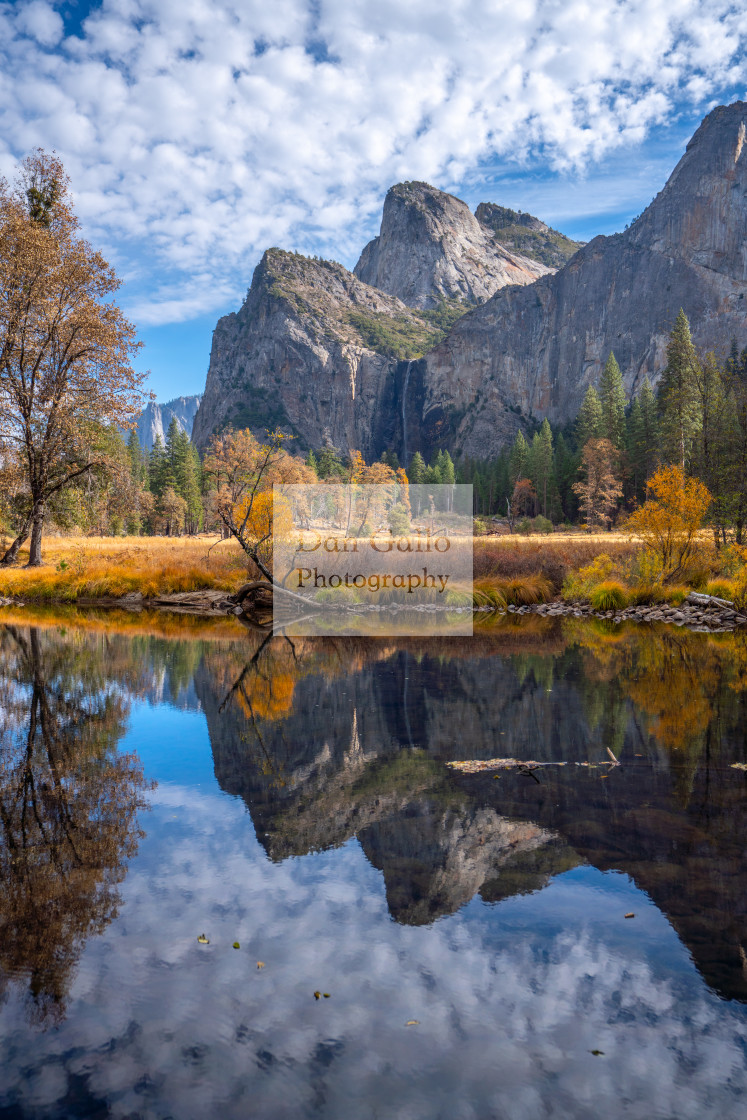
x=412, y=1023
x=203, y=939
x=596, y=1053
x=327, y=995
x=317, y=995
x=236, y=945
x=630, y=915
x=260, y=964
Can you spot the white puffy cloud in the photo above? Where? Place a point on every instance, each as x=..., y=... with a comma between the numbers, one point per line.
x=197, y=132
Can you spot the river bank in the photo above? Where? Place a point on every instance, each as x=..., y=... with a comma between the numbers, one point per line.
x=202, y=576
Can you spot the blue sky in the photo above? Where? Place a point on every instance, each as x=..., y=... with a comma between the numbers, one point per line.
x=198, y=133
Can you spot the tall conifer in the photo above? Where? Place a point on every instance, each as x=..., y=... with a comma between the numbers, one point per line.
x=612, y=398
x=590, y=420
x=678, y=405
x=518, y=459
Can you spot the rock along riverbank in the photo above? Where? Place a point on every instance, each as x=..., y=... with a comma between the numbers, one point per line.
x=703, y=613
x=699, y=612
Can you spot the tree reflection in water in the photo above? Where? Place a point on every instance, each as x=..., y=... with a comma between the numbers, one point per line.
x=68, y=806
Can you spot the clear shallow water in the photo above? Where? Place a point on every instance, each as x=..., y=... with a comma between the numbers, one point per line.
x=302, y=807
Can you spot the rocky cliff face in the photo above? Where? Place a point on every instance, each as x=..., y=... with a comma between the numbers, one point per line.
x=431, y=248
x=522, y=233
x=532, y=352
x=361, y=747
x=332, y=356
x=313, y=351
x=323, y=353
x=154, y=420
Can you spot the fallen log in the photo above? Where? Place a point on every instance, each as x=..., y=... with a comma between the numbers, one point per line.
x=477, y=765
x=700, y=600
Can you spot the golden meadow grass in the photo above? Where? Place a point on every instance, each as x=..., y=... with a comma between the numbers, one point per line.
x=80, y=568
x=102, y=567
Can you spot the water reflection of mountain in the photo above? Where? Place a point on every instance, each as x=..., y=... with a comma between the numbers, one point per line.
x=328, y=740
x=359, y=751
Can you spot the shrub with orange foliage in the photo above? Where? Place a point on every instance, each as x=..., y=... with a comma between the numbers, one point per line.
x=669, y=522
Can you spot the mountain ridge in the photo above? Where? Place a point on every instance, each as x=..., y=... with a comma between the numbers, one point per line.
x=155, y=418
x=316, y=350
x=448, y=353
x=533, y=352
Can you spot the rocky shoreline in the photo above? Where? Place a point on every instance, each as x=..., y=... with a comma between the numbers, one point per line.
x=697, y=612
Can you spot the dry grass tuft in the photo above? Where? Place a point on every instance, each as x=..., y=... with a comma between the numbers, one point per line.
x=488, y=593
x=722, y=588
x=675, y=595
x=553, y=557
x=609, y=596
x=519, y=592
x=528, y=591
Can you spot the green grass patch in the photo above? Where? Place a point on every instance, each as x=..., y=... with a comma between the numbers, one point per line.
x=609, y=596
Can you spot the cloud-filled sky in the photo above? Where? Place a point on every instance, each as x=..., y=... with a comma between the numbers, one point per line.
x=199, y=132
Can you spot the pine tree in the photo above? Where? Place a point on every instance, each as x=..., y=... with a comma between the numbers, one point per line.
x=736, y=411
x=135, y=456
x=541, y=463
x=329, y=464
x=589, y=421
x=177, y=442
x=501, y=486
x=518, y=459
x=566, y=473
x=677, y=394
x=733, y=363
x=157, y=467
x=650, y=429
x=612, y=398
x=311, y=463
x=711, y=450
x=440, y=464
x=448, y=477
x=416, y=470
x=635, y=451
x=190, y=486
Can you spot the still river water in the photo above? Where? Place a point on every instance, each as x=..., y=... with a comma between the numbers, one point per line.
x=467, y=936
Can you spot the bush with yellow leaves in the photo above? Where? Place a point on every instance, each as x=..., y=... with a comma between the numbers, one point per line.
x=668, y=524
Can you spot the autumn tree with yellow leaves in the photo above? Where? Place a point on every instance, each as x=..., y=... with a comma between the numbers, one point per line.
x=65, y=348
x=243, y=472
x=669, y=522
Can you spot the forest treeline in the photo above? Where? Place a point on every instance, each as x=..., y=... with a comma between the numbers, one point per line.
x=591, y=471
x=599, y=466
